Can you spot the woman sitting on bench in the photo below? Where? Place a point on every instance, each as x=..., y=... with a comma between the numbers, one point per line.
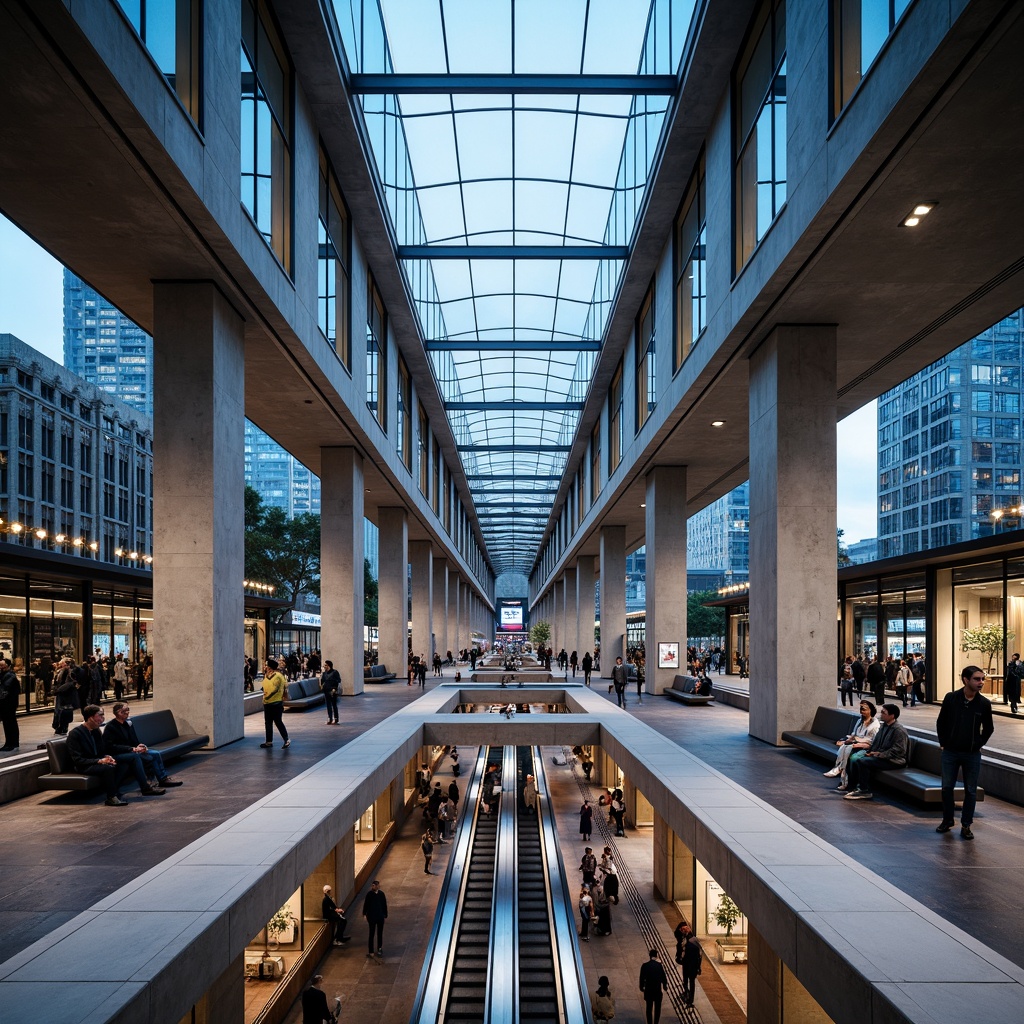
x=859, y=739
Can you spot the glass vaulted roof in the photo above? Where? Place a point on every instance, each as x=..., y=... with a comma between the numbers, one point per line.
x=513, y=141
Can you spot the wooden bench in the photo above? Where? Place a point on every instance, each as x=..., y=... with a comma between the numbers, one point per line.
x=303, y=694
x=157, y=730
x=921, y=779
x=687, y=690
x=377, y=674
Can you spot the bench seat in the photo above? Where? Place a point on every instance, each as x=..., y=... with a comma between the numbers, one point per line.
x=377, y=674
x=921, y=779
x=686, y=690
x=157, y=730
x=303, y=694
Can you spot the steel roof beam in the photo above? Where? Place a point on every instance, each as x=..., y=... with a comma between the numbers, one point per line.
x=514, y=405
x=513, y=252
x=502, y=479
x=515, y=448
x=503, y=85
x=560, y=345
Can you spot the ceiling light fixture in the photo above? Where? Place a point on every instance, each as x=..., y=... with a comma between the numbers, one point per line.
x=718, y=423
x=913, y=218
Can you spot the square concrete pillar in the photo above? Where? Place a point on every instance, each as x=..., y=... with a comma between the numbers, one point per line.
x=613, y=597
x=465, y=628
x=666, y=572
x=571, y=613
x=455, y=640
x=442, y=637
x=673, y=864
x=198, y=507
x=792, y=529
x=558, y=615
x=421, y=560
x=393, y=590
x=341, y=564
x=585, y=608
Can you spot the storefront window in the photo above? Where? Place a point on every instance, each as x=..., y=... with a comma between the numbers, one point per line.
x=979, y=628
x=271, y=956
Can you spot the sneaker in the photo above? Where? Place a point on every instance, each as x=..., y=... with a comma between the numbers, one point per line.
x=841, y=788
x=380, y=952
x=832, y=773
x=858, y=794
x=265, y=745
x=965, y=832
x=945, y=826
x=287, y=743
x=116, y=801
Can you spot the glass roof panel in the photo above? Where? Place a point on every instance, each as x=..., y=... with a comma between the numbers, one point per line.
x=503, y=169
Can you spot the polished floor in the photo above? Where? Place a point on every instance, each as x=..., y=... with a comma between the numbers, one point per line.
x=63, y=853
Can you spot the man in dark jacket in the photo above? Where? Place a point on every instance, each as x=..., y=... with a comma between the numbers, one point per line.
x=963, y=727
x=889, y=749
x=876, y=679
x=691, y=956
x=653, y=984
x=334, y=916
x=10, y=689
x=330, y=683
x=375, y=910
x=85, y=746
x=619, y=682
x=314, y=1003
x=121, y=739
x=859, y=674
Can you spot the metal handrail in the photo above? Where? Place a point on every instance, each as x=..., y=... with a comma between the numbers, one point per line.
x=573, y=999
x=432, y=991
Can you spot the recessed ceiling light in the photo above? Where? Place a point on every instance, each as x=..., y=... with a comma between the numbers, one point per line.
x=643, y=504
x=913, y=218
x=718, y=423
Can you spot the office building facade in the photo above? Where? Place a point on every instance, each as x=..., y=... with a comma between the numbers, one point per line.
x=949, y=446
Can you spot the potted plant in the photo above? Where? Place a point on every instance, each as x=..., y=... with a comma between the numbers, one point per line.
x=281, y=922
x=726, y=915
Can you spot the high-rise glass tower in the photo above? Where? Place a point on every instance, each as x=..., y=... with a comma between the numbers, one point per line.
x=104, y=347
x=949, y=445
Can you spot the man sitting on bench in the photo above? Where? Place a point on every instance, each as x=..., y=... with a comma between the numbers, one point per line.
x=889, y=749
x=121, y=739
x=85, y=746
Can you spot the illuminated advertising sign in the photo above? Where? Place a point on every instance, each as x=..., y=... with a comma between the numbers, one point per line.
x=511, y=614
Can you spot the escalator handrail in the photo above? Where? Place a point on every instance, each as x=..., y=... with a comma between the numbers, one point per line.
x=432, y=991
x=572, y=984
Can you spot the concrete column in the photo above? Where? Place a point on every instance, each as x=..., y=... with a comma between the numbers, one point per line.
x=452, y=612
x=613, y=597
x=673, y=864
x=421, y=560
x=440, y=605
x=198, y=507
x=572, y=623
x=342, y=546
x=585, y=604
x=558, y=615
x=393, y=590
x=792, y=528
x=666, y=572
x=464, y=611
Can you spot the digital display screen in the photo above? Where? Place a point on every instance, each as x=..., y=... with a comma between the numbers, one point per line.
x=510, y=615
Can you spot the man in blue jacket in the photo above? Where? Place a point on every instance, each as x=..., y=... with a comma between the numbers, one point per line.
x=964, y=726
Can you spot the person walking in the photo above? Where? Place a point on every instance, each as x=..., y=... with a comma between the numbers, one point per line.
x=904, y=682
x=619, y=682
x=375, y=911
x=10, y=690
x=330, y=683
x=586, y=821
x=691, y=958
x=602, y=1003
x=587, y=664
x=427, y=846
x=574, y=662
x=653, y=984
x=618, y=810
x=963, y=727
x=1012, y=682
x=274, y=686
x=314, y=1003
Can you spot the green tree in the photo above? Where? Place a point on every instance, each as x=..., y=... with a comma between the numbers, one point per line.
x=702, y=621
x=842, y=555
x=540, y=632
x=988, y=639
x=369, y=595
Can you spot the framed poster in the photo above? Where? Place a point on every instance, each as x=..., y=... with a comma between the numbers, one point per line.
x=668, y=655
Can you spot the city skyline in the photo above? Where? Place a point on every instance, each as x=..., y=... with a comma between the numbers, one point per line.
x=27, y=270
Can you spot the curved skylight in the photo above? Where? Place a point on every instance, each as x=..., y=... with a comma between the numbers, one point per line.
x=513, y=140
